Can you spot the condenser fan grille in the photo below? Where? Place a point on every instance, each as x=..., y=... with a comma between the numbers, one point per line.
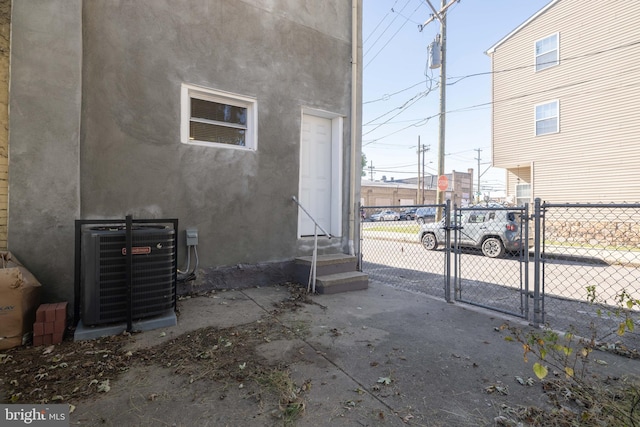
x=104, y=275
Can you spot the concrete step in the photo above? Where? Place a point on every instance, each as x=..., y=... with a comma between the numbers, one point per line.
x=342, y=282
x=325, y=265
x=334, y=273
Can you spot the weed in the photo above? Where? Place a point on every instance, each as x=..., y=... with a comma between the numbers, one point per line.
x=579, y=398
x=291, y=402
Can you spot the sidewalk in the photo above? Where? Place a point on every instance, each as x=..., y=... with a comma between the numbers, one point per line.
x=381, y=356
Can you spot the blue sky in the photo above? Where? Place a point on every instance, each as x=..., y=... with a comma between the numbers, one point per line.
x=396, y=82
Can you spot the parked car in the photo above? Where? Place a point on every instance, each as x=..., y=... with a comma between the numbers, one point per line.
x=386, y=216
x=408, y=214
x=494, y=232
x=425, y=215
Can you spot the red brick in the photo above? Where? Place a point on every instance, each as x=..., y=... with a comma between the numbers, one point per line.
x=48, y=328
x=40, y=313
x=57, y=337
x=50, y=313
x=38, y=340
x=38, y=329
x=61, y=310
x=59, y=325
x=47, y=339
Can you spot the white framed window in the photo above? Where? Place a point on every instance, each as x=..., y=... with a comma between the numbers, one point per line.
x=217, y=119
x=523, y=194
x=547, y=52
x=547, y=118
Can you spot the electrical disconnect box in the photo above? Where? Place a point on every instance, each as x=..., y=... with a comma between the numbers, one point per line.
x=192, y=236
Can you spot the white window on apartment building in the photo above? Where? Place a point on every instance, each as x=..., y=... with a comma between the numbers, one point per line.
x=523, y=194
x=214, y=118
x=546, y=52
x=547, y=118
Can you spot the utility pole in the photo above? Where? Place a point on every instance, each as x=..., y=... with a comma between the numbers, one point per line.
x=419, y=176
x=441, y=41
x=443, y=104
x=425, y=148
x=478, y=159
x=371, y=168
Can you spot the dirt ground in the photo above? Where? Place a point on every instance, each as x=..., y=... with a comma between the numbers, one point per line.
x=227, y=364
x=278, y=367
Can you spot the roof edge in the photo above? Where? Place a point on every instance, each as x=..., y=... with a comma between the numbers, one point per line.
x=521, y=26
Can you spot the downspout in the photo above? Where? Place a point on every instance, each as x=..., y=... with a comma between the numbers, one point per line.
x=354, y=210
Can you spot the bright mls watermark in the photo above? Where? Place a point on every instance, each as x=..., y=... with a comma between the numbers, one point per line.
x=34, y=415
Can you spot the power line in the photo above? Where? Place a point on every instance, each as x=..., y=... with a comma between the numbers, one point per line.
x=386, y=28
x=487, y=104
x=524, y=67
x=568, y=85
x=379, y=23
x=386, y=97
x=422, y=122
x=403, y=107
x=390, y=39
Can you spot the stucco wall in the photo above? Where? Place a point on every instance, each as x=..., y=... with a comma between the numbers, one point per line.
x=46, y=57
x=5, y=33
x=128, y=158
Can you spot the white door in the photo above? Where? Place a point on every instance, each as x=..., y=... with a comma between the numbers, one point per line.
x=315, y=174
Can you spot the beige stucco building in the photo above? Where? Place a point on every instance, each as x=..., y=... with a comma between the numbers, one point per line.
x=566, y=98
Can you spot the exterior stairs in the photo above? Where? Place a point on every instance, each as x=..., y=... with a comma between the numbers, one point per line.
x=334, y=273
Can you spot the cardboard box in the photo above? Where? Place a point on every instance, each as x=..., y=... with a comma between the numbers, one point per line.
x=19, y=300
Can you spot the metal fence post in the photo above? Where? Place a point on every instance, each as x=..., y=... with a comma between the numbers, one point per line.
x=525, y=228
x=537, y=266
x=447, y=252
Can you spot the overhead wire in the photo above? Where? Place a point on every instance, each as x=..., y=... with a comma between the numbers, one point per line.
x=379, y=23
x=422, y=122
x=386, y=97
x=364, y=54
x=405, y=105
x=392, y=37
x=524, y=67
x=418, y=122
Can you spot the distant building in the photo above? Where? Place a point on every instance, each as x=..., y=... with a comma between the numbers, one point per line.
x=409, y=191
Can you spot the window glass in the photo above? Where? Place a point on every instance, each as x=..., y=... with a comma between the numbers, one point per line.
x=547, y=52
x=220, y=134
x=547, y=118
x=215, y=118
x=523, y=194
x=218, y=112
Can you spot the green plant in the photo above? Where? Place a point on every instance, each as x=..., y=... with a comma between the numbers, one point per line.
x=623, y=309
x=567, y=357
x=562, y=363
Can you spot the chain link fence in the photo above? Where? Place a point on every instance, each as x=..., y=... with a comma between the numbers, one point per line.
x=590, y=270
x=584, y=275
x=392, y=254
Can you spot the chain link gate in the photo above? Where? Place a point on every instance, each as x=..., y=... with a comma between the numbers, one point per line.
x=491, y=258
